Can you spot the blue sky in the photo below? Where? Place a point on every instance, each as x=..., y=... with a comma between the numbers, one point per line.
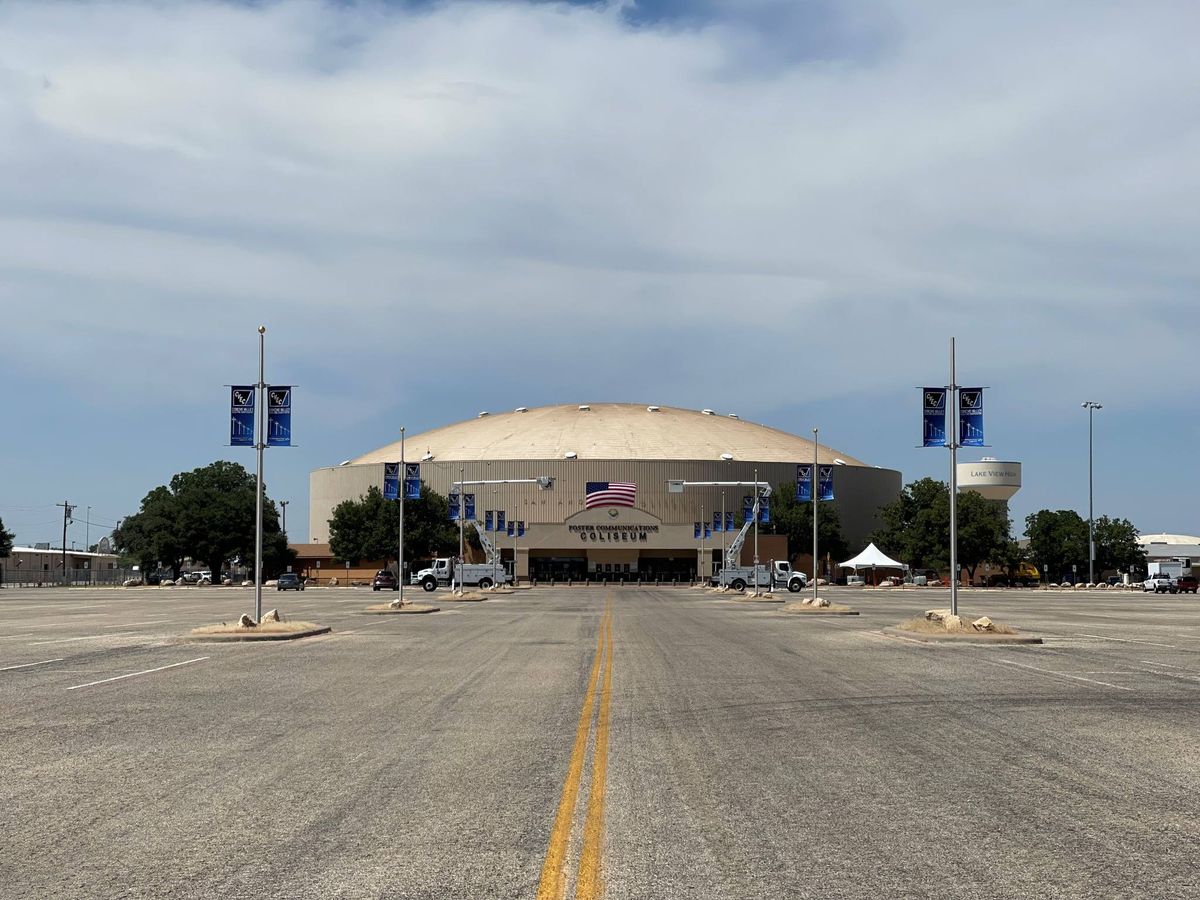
x=782, y=210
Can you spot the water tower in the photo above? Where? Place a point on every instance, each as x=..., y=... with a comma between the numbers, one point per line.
x=991, y=478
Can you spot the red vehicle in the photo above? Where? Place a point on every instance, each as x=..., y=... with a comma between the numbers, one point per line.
x=1186, y=584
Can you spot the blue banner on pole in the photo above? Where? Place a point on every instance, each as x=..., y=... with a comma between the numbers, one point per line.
x=804, y=483
x=764, y=510
x=512, y=528
x=454, y=507
x=499, y=520
x=825, y=484
x=748, y=508
x=707, y=531
x=412, y=481
x=696, y=530
x=391, y=481
x=469, y=507
x=487, y=520
x=717, y=524
x=520, y=529
x=934, y=416
x=729, y=520
x=241, y=415
x=279, y=416
x=970, y=417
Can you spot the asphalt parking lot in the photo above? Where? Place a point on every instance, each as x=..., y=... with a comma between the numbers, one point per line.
x=718, y=749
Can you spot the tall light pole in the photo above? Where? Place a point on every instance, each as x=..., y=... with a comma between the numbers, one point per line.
x=259, y=446
x=1091, y=406
x=815, y=507
x=400, y=547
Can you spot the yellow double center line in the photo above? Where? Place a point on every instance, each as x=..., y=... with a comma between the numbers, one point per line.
x=553, y=883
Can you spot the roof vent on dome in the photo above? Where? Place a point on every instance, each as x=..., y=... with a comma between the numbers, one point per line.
x=839, y=462
x=482, y=414
x=583, y=407
x=726, y=456
x=734, y=416
x=522, y=409
x=428, y=456
x=651, y=409
x=570, y=454
x=707, y=412
x=344, y=462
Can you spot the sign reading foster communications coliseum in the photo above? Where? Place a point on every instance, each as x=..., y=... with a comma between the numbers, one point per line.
x=613, y=534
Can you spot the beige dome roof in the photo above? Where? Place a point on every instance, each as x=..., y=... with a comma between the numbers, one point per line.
x=606, y=431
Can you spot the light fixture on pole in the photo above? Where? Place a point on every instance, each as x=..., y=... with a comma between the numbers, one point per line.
x=1091, y=406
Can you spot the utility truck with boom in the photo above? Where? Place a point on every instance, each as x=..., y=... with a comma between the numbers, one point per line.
x=482, y=575
x=738, y=577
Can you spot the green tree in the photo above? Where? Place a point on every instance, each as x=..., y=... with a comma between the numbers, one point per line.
x=1058, y=540
x=793, y=518
x=1117, y=547
x=984, y=530
x=368, y=528
x=206, y=514
x=151, y=536
x=6, y=541
x=916, y=527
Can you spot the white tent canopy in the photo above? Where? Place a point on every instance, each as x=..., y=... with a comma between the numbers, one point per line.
x=872, y=558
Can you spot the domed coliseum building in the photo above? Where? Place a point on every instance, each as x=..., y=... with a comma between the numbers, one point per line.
x=613, y=443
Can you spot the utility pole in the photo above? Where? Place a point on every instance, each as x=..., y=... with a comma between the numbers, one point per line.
x=87, y=531
x=283, y=504
x=67, y=510
x=1091, y=406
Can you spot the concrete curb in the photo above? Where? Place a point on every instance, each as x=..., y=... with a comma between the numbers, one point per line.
x=981, y=638
x=409, y=609
x=737, y=599
x=256, y=636
x=820, y=611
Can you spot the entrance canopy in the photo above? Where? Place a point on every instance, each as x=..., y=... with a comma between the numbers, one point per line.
x=872, y=558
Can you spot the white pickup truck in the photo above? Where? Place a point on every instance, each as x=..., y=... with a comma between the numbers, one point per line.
x=1160, y=584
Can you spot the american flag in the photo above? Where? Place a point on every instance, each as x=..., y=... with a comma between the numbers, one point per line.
x=610, y=493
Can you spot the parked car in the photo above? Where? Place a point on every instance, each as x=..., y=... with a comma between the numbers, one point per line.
x=289, y=581
x=1187, y=584
x=1160, y=584
x=385, y=580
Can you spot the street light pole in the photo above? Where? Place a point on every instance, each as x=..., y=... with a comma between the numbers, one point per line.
x=1091, y=406
x=952, y=433
x=816, y=446
x=261, y=422
x=754, y=512
x=400, y=548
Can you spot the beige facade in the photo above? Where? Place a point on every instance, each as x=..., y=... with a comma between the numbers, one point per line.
x=611, y=442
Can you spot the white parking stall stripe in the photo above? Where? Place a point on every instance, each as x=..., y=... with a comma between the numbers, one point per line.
x=44, y=662
x=186, y=662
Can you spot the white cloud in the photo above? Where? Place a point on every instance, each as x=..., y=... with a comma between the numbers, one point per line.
x=1016, y=173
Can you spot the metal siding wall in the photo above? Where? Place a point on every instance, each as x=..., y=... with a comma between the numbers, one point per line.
x=859, y=490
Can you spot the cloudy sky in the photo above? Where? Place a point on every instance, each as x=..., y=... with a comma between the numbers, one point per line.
x=781, y=209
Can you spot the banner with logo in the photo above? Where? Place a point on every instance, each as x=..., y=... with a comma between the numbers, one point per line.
x=764, y=510
x=469, y=507
x=499, y=520
x=454, y=507
x=717, y=523
x=412, y=481
x=696, y=530
x=391, y=481
x=804, y=483
x=707, y=531
x=512, y=528
x=729, y=520
x=934, y=416
x=970, y=417
x=747, y=508
x=241, y=415
x=520, y=529
x=487, y=520
x=825, y=483
x=279, y=415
